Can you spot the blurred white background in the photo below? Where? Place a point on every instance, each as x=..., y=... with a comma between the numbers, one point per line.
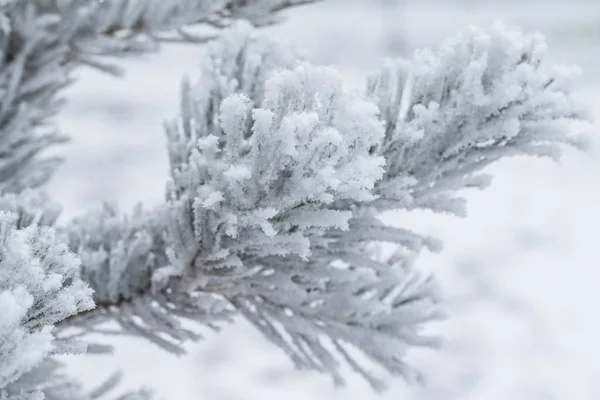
x=520, y=272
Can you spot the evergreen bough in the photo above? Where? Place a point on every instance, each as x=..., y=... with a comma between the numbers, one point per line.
x=280, y=176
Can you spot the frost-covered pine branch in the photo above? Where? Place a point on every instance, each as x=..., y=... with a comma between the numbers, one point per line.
x=253, y=193
x=39, y=287
x=280, y=176
x=342, y=291
x=43, y=41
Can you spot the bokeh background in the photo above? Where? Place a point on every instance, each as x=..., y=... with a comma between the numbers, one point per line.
x=520, y=272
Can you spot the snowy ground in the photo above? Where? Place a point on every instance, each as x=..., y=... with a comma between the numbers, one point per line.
x=519, y=272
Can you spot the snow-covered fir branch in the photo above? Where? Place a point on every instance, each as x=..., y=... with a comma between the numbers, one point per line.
x=280, y=176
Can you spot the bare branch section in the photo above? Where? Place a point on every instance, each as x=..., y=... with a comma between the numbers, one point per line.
x=42, y=41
